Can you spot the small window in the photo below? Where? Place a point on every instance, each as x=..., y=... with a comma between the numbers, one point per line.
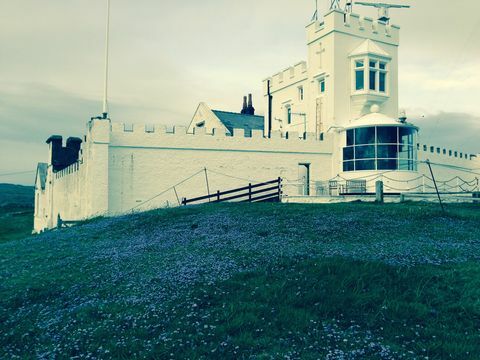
x=359, y=80
x=350, y=137
x=289, y=115
x=449, y=152
x=359, y=64
x=322, y=86
x=456, y=154
x=128, y=127
x=461, y=155
x=444, y=151
x=438, y=150
x=432, y=149
x=383, y=81
x=383, y=66
x=373, y=64
x=300, y=93
x=425, y=148
x=373, y=80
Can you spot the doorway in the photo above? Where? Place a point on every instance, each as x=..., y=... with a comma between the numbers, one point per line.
x=304, y=179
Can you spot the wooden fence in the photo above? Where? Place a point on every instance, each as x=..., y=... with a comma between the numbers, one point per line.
x=269, y=191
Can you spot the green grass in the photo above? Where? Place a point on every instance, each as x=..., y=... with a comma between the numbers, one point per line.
x=16, y=222
x=257, y=281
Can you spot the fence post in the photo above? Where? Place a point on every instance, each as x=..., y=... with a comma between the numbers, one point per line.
x=250, y=192
x=435, y=183
x=218, y=195
x=184, y=201
x=280, y=193
x=379, y=191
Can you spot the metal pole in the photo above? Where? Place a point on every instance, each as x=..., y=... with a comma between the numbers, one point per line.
x=105, y=88
x=178, y=199
x=435, y=183
x=208, y=186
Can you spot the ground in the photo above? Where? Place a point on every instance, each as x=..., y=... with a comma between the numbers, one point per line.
x=262, y=281
x=16, y=211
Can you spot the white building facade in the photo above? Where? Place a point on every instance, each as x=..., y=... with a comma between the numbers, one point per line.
x=329, y=120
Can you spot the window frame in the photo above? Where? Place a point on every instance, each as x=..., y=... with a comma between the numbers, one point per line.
x=381, y=66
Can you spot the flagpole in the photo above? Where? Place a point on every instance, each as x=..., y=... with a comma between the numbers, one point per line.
x=105, y=89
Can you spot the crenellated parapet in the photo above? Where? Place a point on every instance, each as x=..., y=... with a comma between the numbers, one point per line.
x=427, y=150
x=287, y=77
x=159, y=136
x=353, y=24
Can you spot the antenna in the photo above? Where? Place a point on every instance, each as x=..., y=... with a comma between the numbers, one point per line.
x=334, y=4
x=315, y=14
x=105, y=89
x=383, y=9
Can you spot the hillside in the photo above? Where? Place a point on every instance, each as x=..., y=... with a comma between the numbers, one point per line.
x=16, y=211
x=18, y=195
x=344, y=281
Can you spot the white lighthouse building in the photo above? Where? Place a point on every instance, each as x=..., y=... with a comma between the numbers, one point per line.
x=348, y=87
x=331, y=128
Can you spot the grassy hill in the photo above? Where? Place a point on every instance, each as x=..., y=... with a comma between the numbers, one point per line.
x=263, y=281
x=16, y=211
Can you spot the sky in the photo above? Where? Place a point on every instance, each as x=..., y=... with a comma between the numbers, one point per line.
x=167, y=56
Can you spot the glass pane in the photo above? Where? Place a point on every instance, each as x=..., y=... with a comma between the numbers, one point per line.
x=322, y=86
x=387, y=164
x=406, y=152
x=365, y=152
x=365, y=165
x=365, y=136
x=348, y=166
x=406, y=136
x=350, y=134
x=359, y=63
x=373, y=77
x=382, y=85
x=373, y=64
x=387, y=135
x=359, y=80
x=383, y=65
x=405, y=165
x=387, y=151
x=348, y=153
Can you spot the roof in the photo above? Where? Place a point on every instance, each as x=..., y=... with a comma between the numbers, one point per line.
x=239, y=121
x=369, y=47
x=42, y=174
x=377, y=119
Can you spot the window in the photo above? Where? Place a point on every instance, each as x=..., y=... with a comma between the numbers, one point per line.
x=456, y=154
x=359, y=75
x=444, y=151
x=373, y=75
x=449, y=152
x=380, y=148
x=300, y=93
x=321, y=85
x=432, y=149
x=438, y=150
x=424, y=147
x=377, y=75
x=289, y=115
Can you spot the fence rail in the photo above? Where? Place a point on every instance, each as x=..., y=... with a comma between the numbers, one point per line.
x=269, y=191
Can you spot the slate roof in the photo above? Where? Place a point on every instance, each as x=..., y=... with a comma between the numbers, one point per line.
x=42, y=173
x=240, y=121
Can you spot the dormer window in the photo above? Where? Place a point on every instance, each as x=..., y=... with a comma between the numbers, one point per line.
x=375, y=79
x=370, y=65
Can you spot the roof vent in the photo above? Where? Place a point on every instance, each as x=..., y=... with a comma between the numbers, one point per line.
x=402, y=116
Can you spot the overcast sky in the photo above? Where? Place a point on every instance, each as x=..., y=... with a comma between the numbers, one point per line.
x=168, y=55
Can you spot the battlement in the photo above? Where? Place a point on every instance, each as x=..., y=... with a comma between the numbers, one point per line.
x=143, y=131
x=290, y=75
x=353, y=24
x=448, y=153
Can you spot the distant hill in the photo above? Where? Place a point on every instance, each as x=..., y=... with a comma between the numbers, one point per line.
x=17, y=195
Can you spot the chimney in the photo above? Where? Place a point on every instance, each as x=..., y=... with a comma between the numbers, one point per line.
x=250, y=108
x=56, y=151
x=73, y=144
x=244, y=108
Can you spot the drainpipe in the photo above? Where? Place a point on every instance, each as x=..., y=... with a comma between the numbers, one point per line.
x=270, y=98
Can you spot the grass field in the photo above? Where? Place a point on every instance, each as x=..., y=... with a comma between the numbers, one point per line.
x=16, y=211
x=263, y=281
